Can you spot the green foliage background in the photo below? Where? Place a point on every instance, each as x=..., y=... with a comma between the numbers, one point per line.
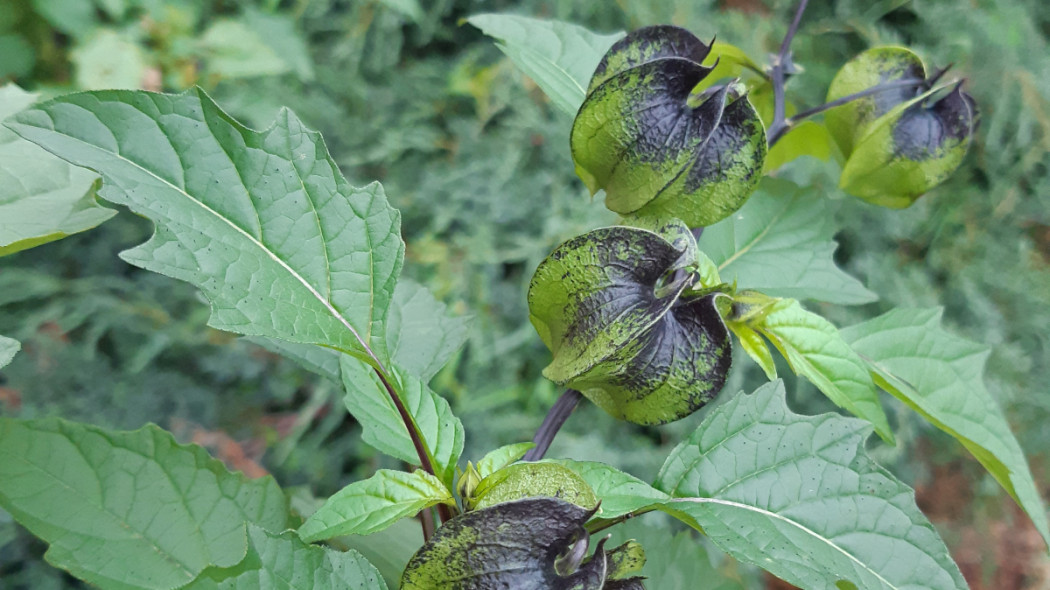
x=477, y=160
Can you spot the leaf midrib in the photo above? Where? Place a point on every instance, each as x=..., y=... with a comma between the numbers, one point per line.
x=793, y=523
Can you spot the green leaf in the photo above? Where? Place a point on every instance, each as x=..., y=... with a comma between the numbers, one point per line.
x=129, y=509
x=375, y=503
x=781, y=243
x=421, y=334
x=622, y=332
x=42, y=198
x=262, y=222
x=655, y=145
x=808, y=138
x=109, y=60
x=286, y=563
x=524, y=480
x=560, y=57
x=236, y=49
x=940, y=376
x=509, y=545
x=678, y=560
x=279, y=32
x=799, y=497
x=9, y=347
x=755, y=347
x=816, y=351
x=369, y=402
x=619, y=492
x=499, y=458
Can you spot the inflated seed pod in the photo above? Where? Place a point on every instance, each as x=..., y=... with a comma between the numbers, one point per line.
x=899, y=142
x=656, y=144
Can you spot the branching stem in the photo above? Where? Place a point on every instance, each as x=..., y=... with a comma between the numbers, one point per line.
x=552, y=423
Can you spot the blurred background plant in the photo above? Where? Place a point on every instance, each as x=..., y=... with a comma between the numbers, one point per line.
x=477, y=160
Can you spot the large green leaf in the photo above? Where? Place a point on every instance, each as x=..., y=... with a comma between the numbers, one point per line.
x=780, y=243
x=815, y=350
x=129, y=509
x=940, y=376
x=422, y=337
x=42, y=198
x=263, y=222
x=283, y=562
x=370, y=505
x=440, y=429
x=421, y=334
x=799, y=497
x=9, y=347
x=560, y=57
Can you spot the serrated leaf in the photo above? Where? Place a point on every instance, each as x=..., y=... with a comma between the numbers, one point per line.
x=816, y=351
x=9, y=347
x=620, y=329
x=129, y=509
x=799, y=497
x=283, y=562
x=371, y=505
x=619, y=492
x=499, y=458
x=263, y=222
x=370, y=404
x=558, y=56
x=421, y=334
x=42, y=198
x=781, y=243
x=525, y=480
x=509, y=545
x=656, y=145
x=940, y=376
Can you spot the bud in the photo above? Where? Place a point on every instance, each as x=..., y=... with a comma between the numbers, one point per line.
x=903, y=141
x=656, y=144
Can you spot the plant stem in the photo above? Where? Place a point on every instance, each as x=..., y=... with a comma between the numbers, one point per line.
x=552, y=423
x=426, y=517
x=600, y=524
x=778, y=75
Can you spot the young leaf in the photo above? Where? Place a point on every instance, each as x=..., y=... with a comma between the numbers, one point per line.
x=499, y=458
x=560, y=57
x=815, y=350
x=42, y=198
x=655, y=145
x=619, y=492
x=780, y=243
x=755, y=347
x=9, y=347
x=263, y=222
x=421, y=335
x=940, y=376
x=283, y=561
x=375, y=503
x=621, y=330
x=129, y=509
x=799, y=497
x=369, y=403
x=524, y=480
x=509, y=545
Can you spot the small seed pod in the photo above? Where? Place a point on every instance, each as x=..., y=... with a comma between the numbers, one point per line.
x=623, y=326
x=900, y=142
x=658, y=146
